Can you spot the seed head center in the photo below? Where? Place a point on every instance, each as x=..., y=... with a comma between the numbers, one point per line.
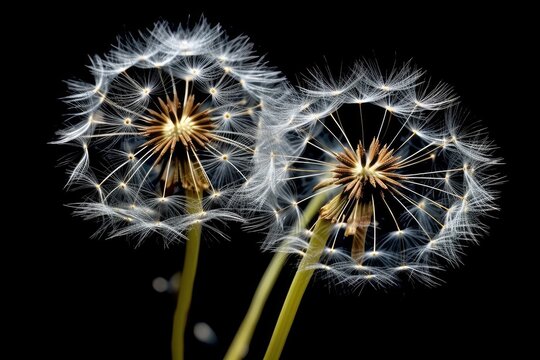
x=357, y=173
x=354, y=170
x=363, y=172
x=176, y=122
x=175, y=130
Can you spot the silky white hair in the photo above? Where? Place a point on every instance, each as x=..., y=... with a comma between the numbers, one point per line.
x=447, y=175
x=120, y=170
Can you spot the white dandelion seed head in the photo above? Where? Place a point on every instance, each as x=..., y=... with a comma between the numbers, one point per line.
x=170, y=111
x=397, y=167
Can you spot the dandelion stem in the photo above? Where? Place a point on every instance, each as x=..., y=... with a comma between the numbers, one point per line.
x=321, y=232
x=240, y=344
x=187, y=279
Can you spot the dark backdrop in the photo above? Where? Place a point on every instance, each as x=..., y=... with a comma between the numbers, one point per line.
x=88, y=298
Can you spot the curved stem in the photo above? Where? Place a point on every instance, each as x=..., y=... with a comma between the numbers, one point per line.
x=298, y=286
x=187, y=278
x=240, y=344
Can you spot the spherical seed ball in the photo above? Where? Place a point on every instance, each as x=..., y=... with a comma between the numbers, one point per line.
x=171, y=111
x=392, y=162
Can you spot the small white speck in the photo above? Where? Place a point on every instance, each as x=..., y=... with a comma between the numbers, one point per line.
x=204, y=333
x=160, y=284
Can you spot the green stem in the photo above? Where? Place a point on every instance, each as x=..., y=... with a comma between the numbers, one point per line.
x=187, y=278
x=298, y=287
x=240, y=344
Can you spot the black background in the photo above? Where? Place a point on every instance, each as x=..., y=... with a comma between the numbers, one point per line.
x=88, y=298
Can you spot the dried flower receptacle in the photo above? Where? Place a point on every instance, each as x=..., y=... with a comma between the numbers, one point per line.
x=376, y=168
x=191, y=129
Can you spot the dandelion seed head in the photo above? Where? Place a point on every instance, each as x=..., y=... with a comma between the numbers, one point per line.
x=170, y=111
x=404, y=180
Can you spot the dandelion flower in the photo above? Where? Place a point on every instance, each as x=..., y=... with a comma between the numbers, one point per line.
x=172, y=112
x=402, y=181
x=165, y=133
